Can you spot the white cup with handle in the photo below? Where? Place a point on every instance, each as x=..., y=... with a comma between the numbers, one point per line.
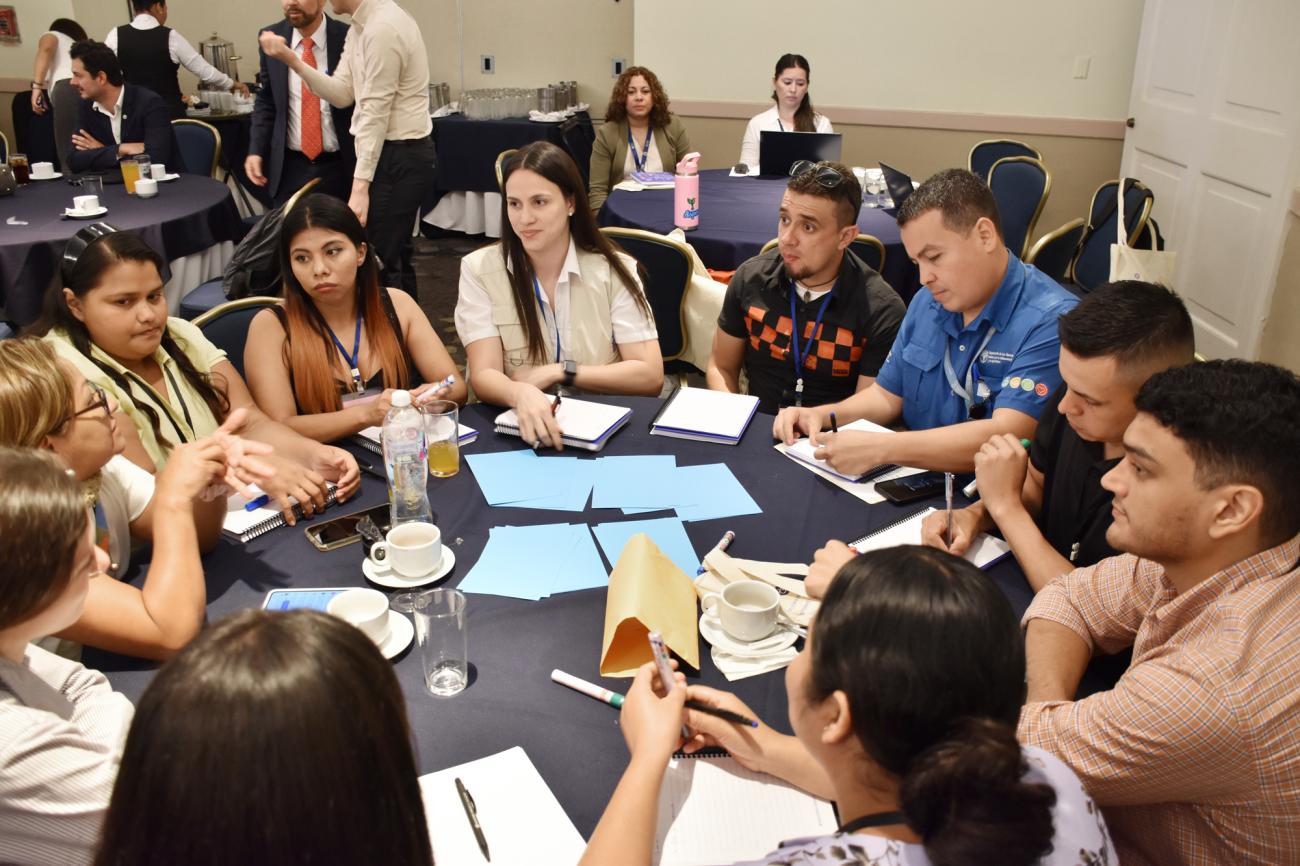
x=410, y=549
x=158, y=171
x=367, y=609
x=146, y=187
x=747, y=610
x=85, y=203
x=42, y=170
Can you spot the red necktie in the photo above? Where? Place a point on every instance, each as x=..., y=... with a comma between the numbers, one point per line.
x=310, y=113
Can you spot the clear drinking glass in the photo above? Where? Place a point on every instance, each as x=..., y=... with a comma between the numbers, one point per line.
x=441, y=634
x=441, y=434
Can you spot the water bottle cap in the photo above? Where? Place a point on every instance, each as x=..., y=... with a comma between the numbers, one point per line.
x=401, y=398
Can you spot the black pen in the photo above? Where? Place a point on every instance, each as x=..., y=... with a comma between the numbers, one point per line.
x=371, y=470
x=471, y=812
x=835, y=427
x=728, y=715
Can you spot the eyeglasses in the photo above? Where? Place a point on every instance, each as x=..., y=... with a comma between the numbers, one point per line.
x=98, y=400
x=825, y=175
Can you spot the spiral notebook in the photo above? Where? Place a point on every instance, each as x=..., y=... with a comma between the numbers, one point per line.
x=713, y=810
x=983, y=552
x=705, y=416
x=372, y=439
x=586, y=425
x=803, y=450
x=243, y=525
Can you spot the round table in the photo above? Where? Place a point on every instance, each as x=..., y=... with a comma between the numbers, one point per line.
x=189, y=217
x=738, y=215
x=574, y=741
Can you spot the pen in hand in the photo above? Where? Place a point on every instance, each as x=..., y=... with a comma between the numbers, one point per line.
x=835, y=427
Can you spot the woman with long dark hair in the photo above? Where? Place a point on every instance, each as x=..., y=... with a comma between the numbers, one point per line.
x=110, y=321
x=639, y=133
x=52, y=79
x=554, y=304
x=793, y=111
x=242, y=751
x=903, y=704
x=327, y=362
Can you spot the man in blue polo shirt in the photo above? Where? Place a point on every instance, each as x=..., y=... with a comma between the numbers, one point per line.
x=976, y=354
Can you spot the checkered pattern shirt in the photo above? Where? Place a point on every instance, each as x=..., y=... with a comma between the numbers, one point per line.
x=1195, y=754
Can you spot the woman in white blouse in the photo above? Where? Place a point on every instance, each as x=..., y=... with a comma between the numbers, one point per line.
x=793, y=111
x=554, y=304
x=62, y=726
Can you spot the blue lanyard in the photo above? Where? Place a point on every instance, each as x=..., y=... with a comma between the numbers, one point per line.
x=799, y=356
x=555, y=320
x=645, y=150
x=353, y=358
x=971, y=394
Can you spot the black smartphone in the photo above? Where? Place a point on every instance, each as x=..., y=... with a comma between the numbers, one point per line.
x=341, y=531
x=910, y=488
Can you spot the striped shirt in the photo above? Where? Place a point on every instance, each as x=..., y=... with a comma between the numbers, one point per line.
x=62, y=729
x=1194, y=755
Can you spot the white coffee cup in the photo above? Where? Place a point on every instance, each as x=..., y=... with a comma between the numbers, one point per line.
x=157, y=171
x=85, y=203
x=746, y=609
x=411, y=549
x=146, y=187
x=367, y=609
x=42, y=169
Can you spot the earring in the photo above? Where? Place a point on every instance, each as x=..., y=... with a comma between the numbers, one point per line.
x=570, y=213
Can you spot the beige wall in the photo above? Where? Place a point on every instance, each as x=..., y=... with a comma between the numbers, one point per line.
x=1078, y=165
x=33, y=17
x=1281, y=340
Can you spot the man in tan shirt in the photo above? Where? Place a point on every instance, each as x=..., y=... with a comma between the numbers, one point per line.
x=385, y=72
x=1194, y=755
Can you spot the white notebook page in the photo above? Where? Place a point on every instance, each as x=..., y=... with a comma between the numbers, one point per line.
x=704, y=411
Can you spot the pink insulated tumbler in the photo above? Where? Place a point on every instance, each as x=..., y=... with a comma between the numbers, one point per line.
x=686, y=193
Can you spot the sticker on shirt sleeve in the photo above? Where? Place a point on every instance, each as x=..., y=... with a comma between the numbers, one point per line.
x=1005, y=380
x=1026, y=384
x=1015, y=382
x=1041, y=389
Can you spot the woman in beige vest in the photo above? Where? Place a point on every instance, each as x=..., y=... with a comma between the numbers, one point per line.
x=554, y=303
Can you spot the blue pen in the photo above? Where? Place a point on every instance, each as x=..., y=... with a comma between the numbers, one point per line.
x=254, y=504
x=445, y=383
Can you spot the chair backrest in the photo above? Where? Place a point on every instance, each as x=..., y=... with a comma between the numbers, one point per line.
x=7, y=330
x=668, y=273
x=226, y=325
x=1020, y=186
x=4, y=147
x=1091, y=265
x=200, y=145
x=985, y=153
x=1053, y=252
x=500, y=164
x=866, y=247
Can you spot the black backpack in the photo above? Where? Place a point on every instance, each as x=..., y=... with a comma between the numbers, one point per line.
x=255, y=267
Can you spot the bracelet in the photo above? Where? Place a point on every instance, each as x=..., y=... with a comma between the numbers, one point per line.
x=36, y=86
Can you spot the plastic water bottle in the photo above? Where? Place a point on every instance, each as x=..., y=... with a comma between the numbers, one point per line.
x=405, y=459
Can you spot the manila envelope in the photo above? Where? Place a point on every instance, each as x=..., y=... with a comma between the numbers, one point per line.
x=647, y=592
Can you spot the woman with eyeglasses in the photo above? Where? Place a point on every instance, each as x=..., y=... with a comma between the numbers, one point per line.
x=639, y=134
x=903, y=703
x=326, y=363
x=793, y=111
x=554, y=303
x=172, y=384
x=61, y=726
x=46, y=403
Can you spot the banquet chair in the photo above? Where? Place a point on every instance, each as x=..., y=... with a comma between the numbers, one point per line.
x=866, y=247
x=8, y=330
x=985, y=153
x=500, y=164
x=226, y=326
x=668, y=274
x=1091, y=265
x=1053, y=252
x=4, y=146
x=1020, y=185
x=200, y=145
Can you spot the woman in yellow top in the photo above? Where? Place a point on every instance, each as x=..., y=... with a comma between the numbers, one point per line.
x=327, y=362
x=110, y=320
x=554, y=303
x=639, y=134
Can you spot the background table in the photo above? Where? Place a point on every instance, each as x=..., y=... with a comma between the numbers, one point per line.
x=193, y=223
x=738, y=215
x=573, y=740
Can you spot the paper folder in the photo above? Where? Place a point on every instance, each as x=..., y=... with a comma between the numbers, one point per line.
x=647, y=592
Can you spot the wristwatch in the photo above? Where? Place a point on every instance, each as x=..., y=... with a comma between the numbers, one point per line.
x=570, y=373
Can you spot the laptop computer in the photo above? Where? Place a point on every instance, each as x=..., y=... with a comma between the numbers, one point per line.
x=899, y=185
x=780, y=150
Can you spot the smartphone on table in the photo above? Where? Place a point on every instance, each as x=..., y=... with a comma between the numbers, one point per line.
x=342, y=531
x=300, y=599
x=910, y=488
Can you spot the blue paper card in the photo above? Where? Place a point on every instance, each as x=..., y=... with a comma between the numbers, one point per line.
x=581, y=567
x=667, y=533
x=641, y=481
x=718, y=493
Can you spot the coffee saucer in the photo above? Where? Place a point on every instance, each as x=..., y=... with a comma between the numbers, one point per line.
x=55, y=176
x=778, y=640
x=400, y=634
x=84, y=214
x=387, y=577
x=167, y=178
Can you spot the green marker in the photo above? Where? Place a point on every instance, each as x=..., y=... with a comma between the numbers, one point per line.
x=971, y=489
x=614, y=699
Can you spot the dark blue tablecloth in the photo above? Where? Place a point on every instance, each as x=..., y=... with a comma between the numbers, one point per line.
x=738, y=215
x=513, y=644
x=188, y=215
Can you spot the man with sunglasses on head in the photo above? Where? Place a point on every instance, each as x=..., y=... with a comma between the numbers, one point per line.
x=808, y=321
x=976, y=355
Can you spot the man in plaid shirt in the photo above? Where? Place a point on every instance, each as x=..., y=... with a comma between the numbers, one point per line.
x=1194, y=755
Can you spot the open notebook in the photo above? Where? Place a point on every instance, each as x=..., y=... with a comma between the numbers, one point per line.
x=371, y=437
x=803, y=451
x=585, y=424
x=243, y=525
x=712, y=810
x=985, y=550
x=705, y=416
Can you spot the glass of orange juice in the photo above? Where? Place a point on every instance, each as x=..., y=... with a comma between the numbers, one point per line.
x=442, y=435
x=130, y=173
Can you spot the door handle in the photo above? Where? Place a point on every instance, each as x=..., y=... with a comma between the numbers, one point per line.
x=1131, y=122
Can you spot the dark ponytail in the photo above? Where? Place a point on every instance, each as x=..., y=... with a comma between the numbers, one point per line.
x=929, y=655
x=966, y=797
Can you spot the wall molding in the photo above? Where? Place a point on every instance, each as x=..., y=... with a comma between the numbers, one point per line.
x=1295, y=201
x=15, y=85
x=1072, y=127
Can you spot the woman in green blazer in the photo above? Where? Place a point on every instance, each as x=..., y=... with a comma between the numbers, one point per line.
x=639, y=134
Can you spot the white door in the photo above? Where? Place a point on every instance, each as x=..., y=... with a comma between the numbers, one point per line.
x=1216, y=126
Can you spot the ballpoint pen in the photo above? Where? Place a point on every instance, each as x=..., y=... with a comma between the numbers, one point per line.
x=947, y=495
x=471, y=812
